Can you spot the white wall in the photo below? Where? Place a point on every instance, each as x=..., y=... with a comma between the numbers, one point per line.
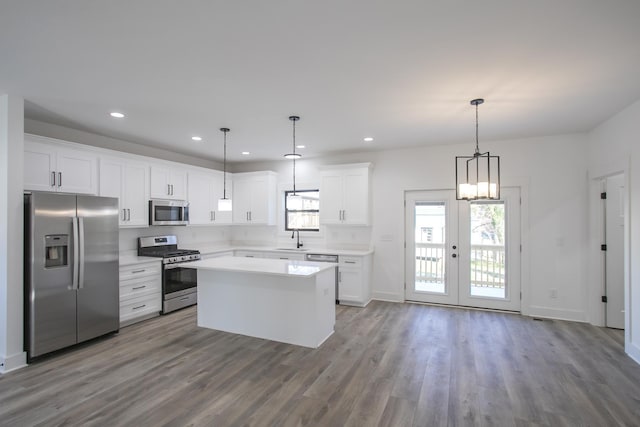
x=552, y=172
x=12, y=355
x=615, y=147
x=193, y=237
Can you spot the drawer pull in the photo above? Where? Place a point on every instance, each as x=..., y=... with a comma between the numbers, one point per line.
x=139, y=287
x=284, y=258
x=139, y=271
x=140, y=306
x=349, y=262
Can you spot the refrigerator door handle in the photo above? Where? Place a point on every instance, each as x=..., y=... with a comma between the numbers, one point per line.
x=76, y=252
x=81, y=260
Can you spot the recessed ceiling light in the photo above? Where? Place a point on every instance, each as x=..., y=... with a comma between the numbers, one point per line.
x=299, y=146
x=196, y=138
x=368, y=139
x=245, y=153
x=116, y=115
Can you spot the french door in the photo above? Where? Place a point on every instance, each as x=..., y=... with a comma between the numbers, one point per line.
x=463, y=253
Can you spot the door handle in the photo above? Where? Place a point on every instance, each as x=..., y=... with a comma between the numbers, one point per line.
x=76, y=251
x=172, y=189
x=168, y=190
x=53, y=179
x=128, y=214
x=124, y=214
x=81, y=266
x=59, y=179
x=214, y=215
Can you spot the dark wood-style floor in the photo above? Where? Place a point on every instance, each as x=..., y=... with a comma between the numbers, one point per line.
x=388, y=364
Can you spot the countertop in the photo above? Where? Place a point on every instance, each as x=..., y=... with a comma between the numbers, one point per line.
x=131, y=258
x=217, y=249
x=278, y=267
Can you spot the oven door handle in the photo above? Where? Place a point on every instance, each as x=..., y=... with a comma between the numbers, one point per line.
x=176, y=265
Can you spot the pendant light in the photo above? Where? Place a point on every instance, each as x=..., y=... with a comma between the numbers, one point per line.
x=224, y=204
x=294, y=200
x=478, y=176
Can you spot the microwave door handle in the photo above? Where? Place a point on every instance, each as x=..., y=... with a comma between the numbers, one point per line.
x=76, y=252
x=82, y=247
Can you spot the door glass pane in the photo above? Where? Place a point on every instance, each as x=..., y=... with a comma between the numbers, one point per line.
x=487, y=249
x=430, y=234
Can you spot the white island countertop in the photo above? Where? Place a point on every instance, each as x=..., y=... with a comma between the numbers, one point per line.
x=269, y=266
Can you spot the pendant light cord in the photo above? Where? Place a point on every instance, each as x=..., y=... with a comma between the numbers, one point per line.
x=294, y=157
x=224, y=165
x=477, y=147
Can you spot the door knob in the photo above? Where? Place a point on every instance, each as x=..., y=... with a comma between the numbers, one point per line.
x=454, y=247
x=453, y=255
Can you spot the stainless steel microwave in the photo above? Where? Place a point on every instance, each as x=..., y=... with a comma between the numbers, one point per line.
x=168, y=212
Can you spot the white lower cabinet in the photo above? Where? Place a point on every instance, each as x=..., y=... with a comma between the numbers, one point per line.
x=354, y=280
x=140, y=291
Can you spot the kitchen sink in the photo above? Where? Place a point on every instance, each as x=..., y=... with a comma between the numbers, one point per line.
x=292, y=249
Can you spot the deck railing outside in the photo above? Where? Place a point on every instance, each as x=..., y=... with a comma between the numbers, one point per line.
x=487, y=264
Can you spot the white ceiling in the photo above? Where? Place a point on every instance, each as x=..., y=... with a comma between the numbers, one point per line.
x=400, y=71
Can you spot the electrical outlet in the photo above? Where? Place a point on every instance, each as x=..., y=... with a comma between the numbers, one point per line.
x=553, y=293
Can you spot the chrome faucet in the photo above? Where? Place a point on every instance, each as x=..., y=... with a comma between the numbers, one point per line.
x=298, y=242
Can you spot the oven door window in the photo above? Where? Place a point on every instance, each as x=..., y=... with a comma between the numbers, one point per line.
x=179, y=278
x=168, y=213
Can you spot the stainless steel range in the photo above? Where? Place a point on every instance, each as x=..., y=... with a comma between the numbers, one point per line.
x=179, y=282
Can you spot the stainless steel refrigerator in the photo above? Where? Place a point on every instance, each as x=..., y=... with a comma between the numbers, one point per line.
x=71, y=270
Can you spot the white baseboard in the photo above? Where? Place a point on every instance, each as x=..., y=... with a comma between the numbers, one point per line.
x=387, y=296
x=13, y=362
x=633, y=351
x=556, y=313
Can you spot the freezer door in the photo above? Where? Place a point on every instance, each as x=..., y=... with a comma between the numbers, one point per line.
x=98, y=275
x=50, y=300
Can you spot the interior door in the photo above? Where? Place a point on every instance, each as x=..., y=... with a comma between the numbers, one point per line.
x=614, y=255
x=463, y=253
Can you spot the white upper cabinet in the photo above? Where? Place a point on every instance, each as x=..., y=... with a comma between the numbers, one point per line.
x=203, y=191
x=254, y=198
x=129, y=182
x=51, y=165
x=345, y=194
x=168, y=182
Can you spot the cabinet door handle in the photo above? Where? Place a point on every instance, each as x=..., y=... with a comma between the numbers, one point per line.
x=59, y=179
x=53, y=179
x=349, y=262
x=124, y=214
x=172, y=189
x=140, y=306
x=168, y=190
x=139, y=287
x=214, y=215
x=250, y=216
x=128, y=214
x=139, y=271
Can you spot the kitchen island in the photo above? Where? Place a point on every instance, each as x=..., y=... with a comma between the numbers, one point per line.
x=280, y=300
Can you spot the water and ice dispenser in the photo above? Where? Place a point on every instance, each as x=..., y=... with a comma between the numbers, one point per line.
x=56, y=250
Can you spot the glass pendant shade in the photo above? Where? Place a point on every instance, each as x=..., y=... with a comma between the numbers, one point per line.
x=225, y=205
